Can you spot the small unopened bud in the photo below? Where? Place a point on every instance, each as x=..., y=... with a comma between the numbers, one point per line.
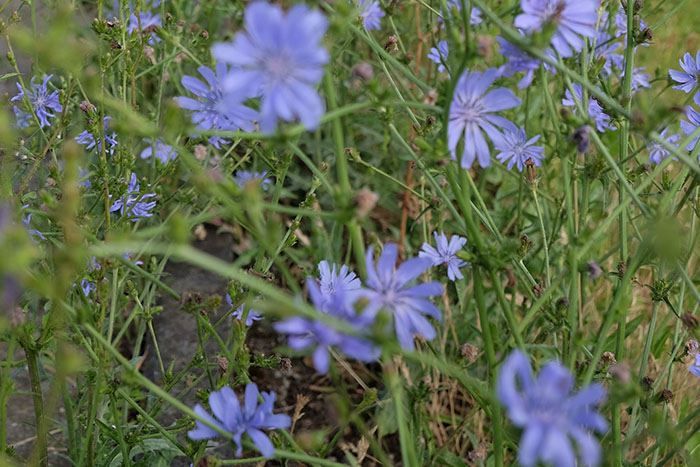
x=484, y=46
x=538, y=290
x=469, y=352
x=594, y=270
x=430, y=97
x=665, y=396
x=366, y=201
x=200, y=152
x=691, y=347
x=364, y=71
x=115, y=45
x=222, y=363
x=86, y=107
x=689, y=321
x=648, y=35
x=621, y=268
x=608, y=358
x=150, y=54
x=647, y=383
x=391, y=44
x=563, y=303
x=17, y=316
x=621, y=372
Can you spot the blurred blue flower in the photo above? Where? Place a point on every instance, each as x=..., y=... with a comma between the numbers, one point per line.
x=148, y=21
x=212, y=112
x=657, y=151
x=40, y=99
x=132, y=204
x=475, y=18
x=639, y=79
x=690, y=126
x=605, y=48
x=279, y=57
x=26, y=222
x=595, y=111
x=250, y=418
x=621, y=23
x=87, y=139
x=439, y=55
x=515, y=148
x=127, y=257
x=243, y=177
x=549, y=414
x=446, y=253
x=371, y=14
x=520, y=61
x=338, y=279
x=24, y=119
x=87, y=287
x=304, y=333
x=164, y=152
x=572, y=19
x=389, y=289
x=84, y=174
x=695, y=367
x=253, y=315
x=471, y=112
x=688, y=78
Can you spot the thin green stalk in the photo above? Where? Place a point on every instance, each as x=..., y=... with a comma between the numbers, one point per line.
x=544, y=239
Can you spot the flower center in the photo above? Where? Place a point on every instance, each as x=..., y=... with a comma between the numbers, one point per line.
x=279, y=66
x=553, y=10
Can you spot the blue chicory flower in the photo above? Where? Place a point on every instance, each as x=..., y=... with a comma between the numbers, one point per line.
x=475, y=18
x=338, y=279
x=520, y=61
x=657, y=151
x=243, y=177
x=439, y=55
x=253, y=315
x=88, y=140
x=304, y=333
x=132, y=204
x=690, y=126
x=572, y=18
x=280, y=58
x=212, y=111
x=695, y=367
x=40, y=99
x=515, y=148
x=445, y=253
x=549, y=414
x=127, y=257
x=472, y=111
x=605, y=48
x=639, y=79
x=371, y=14
x=148, y=21
x=26, y=222
x=688, y=78
x=621, y=23
x=388, y=288
x=163, y=152
x=84, y=175
x=595, y=111
x=86, y=286
x=24, y=119
x=250, y=418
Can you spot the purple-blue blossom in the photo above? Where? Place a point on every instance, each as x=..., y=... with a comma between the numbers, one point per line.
x=445, y=253
x=26, y=222
x=253, y=315
x=690, y=126
x=657, y=151
x=148, y=20
x=550, y=415
x=24, y=119
x=572, y=19
x=86, y=286
x=475, y=18
x=133, y=204
x=520, y=61
x=695, y=367
x=40, y=99
x=388, y=288
x=688, y=78
x=639, y=79
x=279, y=57
x=211, y=111
x=163, y=152
x=472, y=112
x=84, y=175
x=88, y=140
x=605, y=48
x=514, y=148
x=439, y=55
x=244, y=177
x=371, y=14
x=235, y=419
x=304, y=333
x=595, y=111
x=338, y=279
